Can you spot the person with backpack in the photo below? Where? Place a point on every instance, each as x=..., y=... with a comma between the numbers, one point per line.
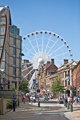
x=76, y=99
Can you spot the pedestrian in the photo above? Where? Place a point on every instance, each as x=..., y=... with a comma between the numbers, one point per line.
x=76, y=99
x=66, y=99
x=71, y=100
x=31, y=99
x=34, y=99
x=24, y=99
x=14, y=102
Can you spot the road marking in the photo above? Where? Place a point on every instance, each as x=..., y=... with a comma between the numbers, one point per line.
x=37, y=115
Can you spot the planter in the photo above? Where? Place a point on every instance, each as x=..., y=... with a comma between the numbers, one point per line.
x=2, y=106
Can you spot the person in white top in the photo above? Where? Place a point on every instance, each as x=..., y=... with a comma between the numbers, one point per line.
x=34, y=99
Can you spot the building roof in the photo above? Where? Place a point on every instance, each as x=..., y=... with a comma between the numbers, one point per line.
x=69, y=63
x=76, y=65
x=2, y=8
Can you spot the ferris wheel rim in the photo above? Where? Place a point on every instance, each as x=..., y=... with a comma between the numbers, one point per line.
x=51, y=33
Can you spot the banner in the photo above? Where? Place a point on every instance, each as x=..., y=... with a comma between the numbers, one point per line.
x=34, y=82
x=67, y=77
x=36, y=85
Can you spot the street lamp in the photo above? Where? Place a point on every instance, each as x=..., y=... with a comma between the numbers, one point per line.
x=35, y=77
x=20, y=54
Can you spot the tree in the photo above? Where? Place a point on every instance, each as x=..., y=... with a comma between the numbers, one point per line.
x=13, y=87
x=57, y=86
x=24, y=86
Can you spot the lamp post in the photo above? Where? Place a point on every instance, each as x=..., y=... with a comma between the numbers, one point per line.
x=35, y=80
x=20, y=54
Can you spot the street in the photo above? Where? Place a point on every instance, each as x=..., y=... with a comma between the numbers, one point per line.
x=48, y=110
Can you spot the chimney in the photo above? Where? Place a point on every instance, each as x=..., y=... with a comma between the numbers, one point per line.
x=52, y=61
x=48, y=62
x=65, y=61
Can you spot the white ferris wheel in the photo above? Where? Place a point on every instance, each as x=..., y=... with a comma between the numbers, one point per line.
x=42, y=46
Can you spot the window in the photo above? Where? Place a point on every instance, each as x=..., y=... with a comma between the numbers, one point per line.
x=14, y=61
x=3, y=20
x=3, y=65
x=1, y=40
x=14, y=51
x=14, y=41
x=0, y=52
x=14, y=78
x=2, y=29
x=14, y=71
x=18, y=31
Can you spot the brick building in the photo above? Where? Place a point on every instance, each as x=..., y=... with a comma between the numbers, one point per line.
x=44, y=78
x=76, y=78
x=26, y=68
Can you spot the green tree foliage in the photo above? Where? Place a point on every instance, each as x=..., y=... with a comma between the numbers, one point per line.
x=24, y=86
x=13, y=87
x=57, y=86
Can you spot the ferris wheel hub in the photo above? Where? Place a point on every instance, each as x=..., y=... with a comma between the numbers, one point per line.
x=40, y=61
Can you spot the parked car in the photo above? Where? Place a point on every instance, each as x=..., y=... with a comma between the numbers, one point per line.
x=61, y=100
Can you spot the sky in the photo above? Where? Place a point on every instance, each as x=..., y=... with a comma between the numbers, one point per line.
x=59, y=16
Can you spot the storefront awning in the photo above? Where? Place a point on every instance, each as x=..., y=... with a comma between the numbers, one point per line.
x=3, y=83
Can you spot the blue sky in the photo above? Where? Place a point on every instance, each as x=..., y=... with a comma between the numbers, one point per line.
x=59, y=16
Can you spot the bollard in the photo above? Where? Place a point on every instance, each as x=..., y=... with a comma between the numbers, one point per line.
x=67, y=105
x=64, y=103
x=38, y=103
x=71, y=108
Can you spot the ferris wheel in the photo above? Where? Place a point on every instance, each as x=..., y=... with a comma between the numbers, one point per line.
x=42, y=46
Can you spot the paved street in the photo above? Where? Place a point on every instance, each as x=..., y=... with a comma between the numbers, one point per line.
x=48, y=110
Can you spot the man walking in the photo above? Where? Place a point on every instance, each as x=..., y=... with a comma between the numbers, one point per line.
x=14, y=102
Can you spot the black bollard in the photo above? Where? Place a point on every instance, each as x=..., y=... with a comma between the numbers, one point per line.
x=38, y=103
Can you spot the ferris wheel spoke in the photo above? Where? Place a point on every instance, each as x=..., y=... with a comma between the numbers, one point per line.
x=28, y=55
x=26, y=63
x=37, y=43
x=53, y=45
x=60, y=54
x=28, y=73
x=57, y=49
x=42, y=41
x=48, y=43
x=27, y=68
x=29, y=50
x=31, y=44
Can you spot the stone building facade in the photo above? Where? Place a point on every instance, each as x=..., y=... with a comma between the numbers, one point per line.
x=66, y=69
x=48, y=74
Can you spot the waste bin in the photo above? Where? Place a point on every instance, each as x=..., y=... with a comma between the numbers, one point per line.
x=38, y=103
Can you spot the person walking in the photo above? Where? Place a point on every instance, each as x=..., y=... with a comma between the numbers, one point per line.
x=76, y=99
x=24, y=99
x=14, y=102
x=71, y=100
x=31, y=99
x=34, y=99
